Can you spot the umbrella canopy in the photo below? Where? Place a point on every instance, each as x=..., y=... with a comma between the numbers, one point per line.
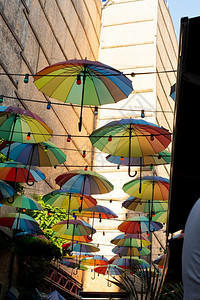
x=44, y=154
x=160, y=261
x=160, y=217
x=139, y=225
x=173, y=91
x=84, y=182
x=63, y=199
x=24, y=202
x=55, y=296
x=130, y=240
x=71, y=263
x=152, y=188
x=130, y=138
x=83, y=82
x=109, y=270
x=81, y=247
x=127, y=263
x=136, y=204
x=160, y=158
x=17, y=172
x=96, y=260
x=130, y=251
x=69, y=229
x=97, y=211
x=6, y=190
x=22, y=126
x=20, y=221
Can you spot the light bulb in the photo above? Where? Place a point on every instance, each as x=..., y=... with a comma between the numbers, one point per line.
x=78, y=80
x=26, y=78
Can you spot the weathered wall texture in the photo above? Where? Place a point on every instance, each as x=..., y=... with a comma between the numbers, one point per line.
x=38, y=33
x=35, y=34
x=137, y=36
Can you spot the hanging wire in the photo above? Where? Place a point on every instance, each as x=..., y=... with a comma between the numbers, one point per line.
x=85, y=106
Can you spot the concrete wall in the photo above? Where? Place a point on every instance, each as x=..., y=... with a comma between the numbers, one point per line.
x=137, y=36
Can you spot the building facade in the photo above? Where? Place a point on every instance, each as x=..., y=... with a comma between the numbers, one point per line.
x=137, y=36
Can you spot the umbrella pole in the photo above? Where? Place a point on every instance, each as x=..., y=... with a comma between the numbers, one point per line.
x=68, y=210
x=31, y=158
x=73, y=235
x=83, y=189
x=81, y=113
x=94, y=272
x=140, y=187
x=151, y=205
x=14, y=122
x=129, y=155
x=13, y=197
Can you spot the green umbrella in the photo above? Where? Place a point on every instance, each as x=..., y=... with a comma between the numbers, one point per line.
x=24, y=202
x=136, y=204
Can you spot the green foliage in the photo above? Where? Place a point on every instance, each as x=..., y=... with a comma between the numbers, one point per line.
x=48, y=218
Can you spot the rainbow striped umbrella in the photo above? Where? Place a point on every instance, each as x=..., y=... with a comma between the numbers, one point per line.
x=131, y=251
x=17, y=172
x=109, y=270
x=21, y=222
x=151, y=188
x=84, y=182
x=128, y=263
x=44, y=154
x=22, y=126
x=6, y=190
x=160, y=158
x=98, y=211
x=130, y=138
x=160, y=261
x=131, y=240
x=136, y=204
x=81, y=247
x=69, y=229
x=139, y=225
x=83, y=82
x=24, y=202
x=96, y=260
x=160, y=217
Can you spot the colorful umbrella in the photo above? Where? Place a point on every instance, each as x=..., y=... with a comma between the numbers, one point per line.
x=139, y=225
x=173, y=91
x=96, y=260
x=130, y=240
x=160, y=158
x=109, y=270
x=17, y=172
x=71, y=263
x=22, y=126
x=136, y=204
x=83, y=82
x=72, y=228
x=44, y=154
x=160, y=261
x=6, y=190
x=84, y=182
x=62, y=199
x=160, y=217
x=153, y=188
x=97, y=211
x=24, y=202
x=21, y=222
x=133, y=262
x=81, y=247
x=130, y=138
x=130, y=251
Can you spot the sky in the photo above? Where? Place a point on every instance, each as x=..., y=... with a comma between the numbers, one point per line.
x=183, y=8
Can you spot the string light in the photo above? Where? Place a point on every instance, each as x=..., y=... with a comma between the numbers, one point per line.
x=84, y=154
x=69, y=138
x=96, y=110
x=152, y=137
x=49, y=105
x=26, y=78
x=1, y=98
x=110, y=138
x=78, y=80
x=28, y=136
x=142, y=113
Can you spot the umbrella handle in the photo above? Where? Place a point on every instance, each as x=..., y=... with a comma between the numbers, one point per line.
x=12, y=200
x=76, y=272
x=30, y=184
x=129, y=172
x=94, y=276
x=129, y=156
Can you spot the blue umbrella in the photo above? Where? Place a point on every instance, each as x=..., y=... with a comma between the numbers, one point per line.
x=6, y=190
